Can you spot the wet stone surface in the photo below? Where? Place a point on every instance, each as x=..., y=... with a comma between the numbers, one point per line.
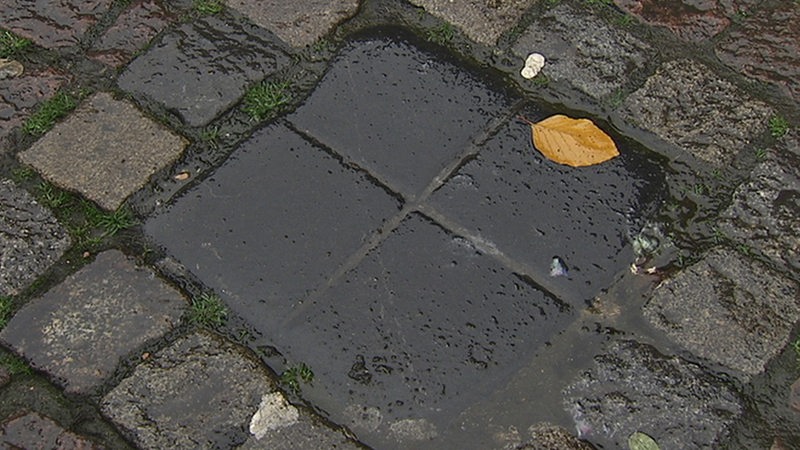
x=423, y=327
x=264, y=240
x=78, y=331
x=133, y=29
x=583, y=51
x=106, y=150
x=481, y=20
x=19, y=96
x=200, y=392
x=202, y=68
x=33, y=431
x=533, y=210
x=765, y=212
x=400, y=112
x=693, y=20
x=633, y=388
x=548, y=437
x=30, y=239
x=52, y=24
x=685, y=104
x=299, y=23
x=766, y=46
x=728, y=309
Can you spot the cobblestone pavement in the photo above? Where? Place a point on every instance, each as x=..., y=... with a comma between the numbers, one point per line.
x=321, y=224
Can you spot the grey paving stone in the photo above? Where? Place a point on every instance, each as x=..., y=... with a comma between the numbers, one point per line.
x=33, y=431
x=533, y=210
x=202, y=68
x=631, y=387
x=132, y=30
x=685, y=104
x=550, y=437
x=399, y=112
x=766, y=46
x=481, y=20
x=30, y=239
x=580, y=49
x=298, y=23
x=425, y=326
x=764, y=213
x=77, y=331
x=200, y=392
x=52, y=24
x=19, y=96
x=272, y=224
x=106, y=150
x=728, y=309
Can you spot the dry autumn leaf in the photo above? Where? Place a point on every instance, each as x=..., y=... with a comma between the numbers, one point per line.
x=574, y=142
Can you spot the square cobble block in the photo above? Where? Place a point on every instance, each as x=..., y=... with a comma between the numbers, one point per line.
x=78, y=331
x=423, y=327
x=106, y=150
x=272, y=224
x=202, y=68
x=397, y=111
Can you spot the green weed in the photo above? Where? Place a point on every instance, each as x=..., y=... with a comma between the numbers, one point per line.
x=210, y=137
x=760, y=153
x=11, y=44
x=52, y=197
x=5, y=310
x=292, y=376
x=110, y=222
x=265, y=98
x=208, y=7
x=49, y=112
x=15, y=365
x=208, y=310
x=442, y=34
x=778, y=126
x=21, y=174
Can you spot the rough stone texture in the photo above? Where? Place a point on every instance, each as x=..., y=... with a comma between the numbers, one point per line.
x=299, y=23
x=550, y=437
x=134, y=28
x=765, y=212
x=30, y=239
x=533, y=210
x=259, y=233
x=202, y=68
x=423, y=327
x=583, y=51
x=52, y=24
x=728, y=309
x=767, y=46
x=693, y=20
x=5, y=376
x=77, y=331
x=633, y=388
x=19, y=96
x=401, y=113
x=481, y=20
x=685, y=104
x=200, y=392
x=277, y=425
x=106, y=150
x=33, y=431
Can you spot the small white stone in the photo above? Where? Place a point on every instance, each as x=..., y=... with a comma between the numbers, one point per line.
x=273, y=413
x=528, y=73
x=533, y=64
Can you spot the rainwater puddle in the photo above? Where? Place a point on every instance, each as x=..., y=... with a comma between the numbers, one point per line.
x=411, y=315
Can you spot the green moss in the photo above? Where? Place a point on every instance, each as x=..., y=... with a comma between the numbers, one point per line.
x=6, y=304
x=442, y=34
x=208, y=7
x=778, y=126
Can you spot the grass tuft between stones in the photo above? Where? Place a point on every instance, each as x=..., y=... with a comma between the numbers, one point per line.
x=265, y=98
x=208, y=7
x=49, y=112
x=292, y=376
x=442, y=34
x=11, y=44
x=14, y=364
x=778, y=126
x=208, y=310
x=6, y=305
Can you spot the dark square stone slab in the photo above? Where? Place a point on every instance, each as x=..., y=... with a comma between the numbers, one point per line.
x=202, y=68
x=533, y=209
x=273, y=223
x=77, y=331
x=399, y=111
x=423, y=327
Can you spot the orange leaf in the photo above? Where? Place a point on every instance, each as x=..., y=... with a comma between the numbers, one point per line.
x=574, y=142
